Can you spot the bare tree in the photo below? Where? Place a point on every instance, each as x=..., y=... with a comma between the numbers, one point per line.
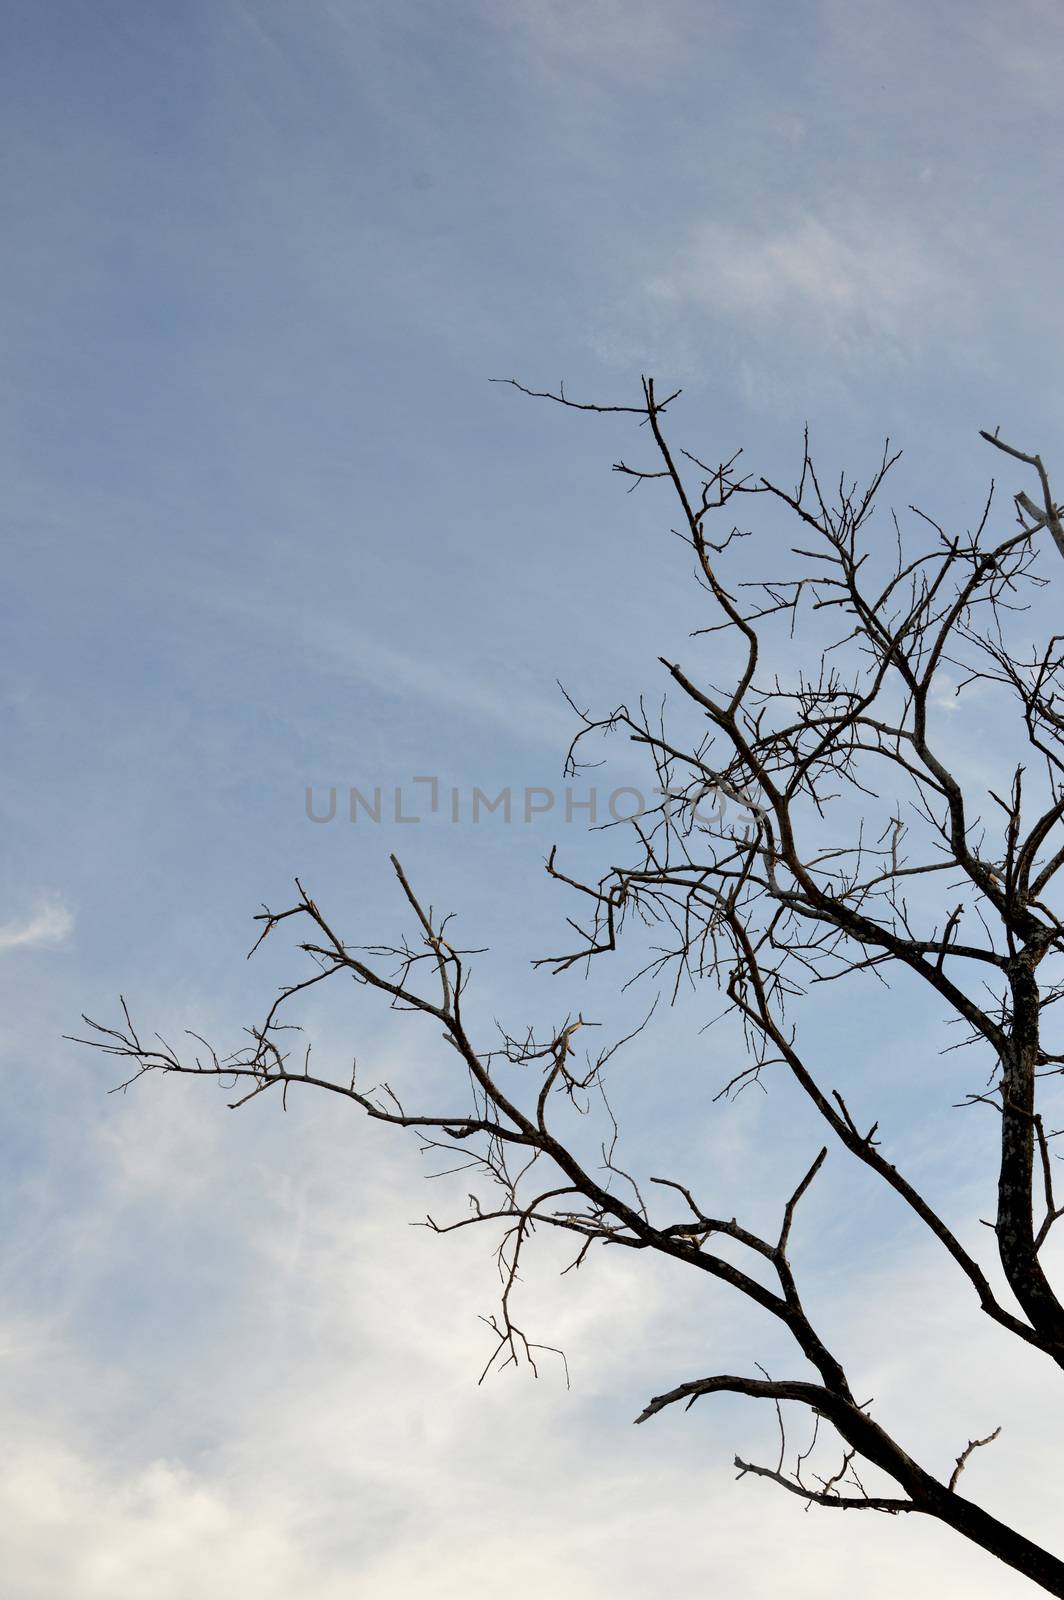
x=810, y=830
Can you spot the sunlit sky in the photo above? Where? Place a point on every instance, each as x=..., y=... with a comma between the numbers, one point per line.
x=269, y=526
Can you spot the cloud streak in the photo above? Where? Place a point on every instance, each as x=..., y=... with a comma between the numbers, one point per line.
x=856, y=272
x=48, y=927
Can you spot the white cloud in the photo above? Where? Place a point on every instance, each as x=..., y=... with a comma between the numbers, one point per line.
x=48, y=926
x=327, y=1436
x=856, y=272
x=80, y=1528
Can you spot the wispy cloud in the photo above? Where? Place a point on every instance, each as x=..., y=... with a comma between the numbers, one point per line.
x=48, y=926
x=854, y=273
x=612, y=35
x=449, y=681
x=376, y=1463
x=450, y=684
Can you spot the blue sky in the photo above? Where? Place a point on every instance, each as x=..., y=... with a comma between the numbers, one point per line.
x=269, y=525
